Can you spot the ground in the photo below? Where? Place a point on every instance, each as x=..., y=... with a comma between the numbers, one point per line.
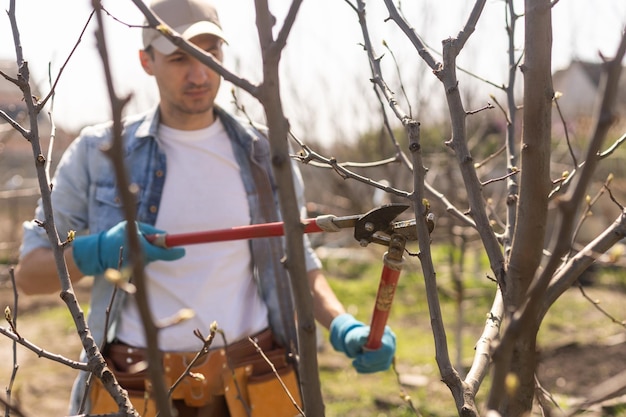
x=570, y=366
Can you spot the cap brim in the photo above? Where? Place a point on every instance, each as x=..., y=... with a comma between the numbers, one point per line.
x=164, y=46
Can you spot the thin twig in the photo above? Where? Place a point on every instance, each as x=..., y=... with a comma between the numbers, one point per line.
x=403, y=394
x=13, y=322
x=502, y=178
x=233, y=374
x=399, y=74
x=613, y=199
x=590, y=202
x=280, y=380
x=596, y=304
x=206, y=344
x=43, y=102
x=542, y=396
x=565, y=129
x=490, y=157
x=308, y=156
x=609, y=151
x=487, y=106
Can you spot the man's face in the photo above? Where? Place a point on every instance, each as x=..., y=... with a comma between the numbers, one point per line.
x=187, y=87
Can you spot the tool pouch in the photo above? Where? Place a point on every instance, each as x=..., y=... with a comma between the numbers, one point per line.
x=254, y=390
x=238, y=372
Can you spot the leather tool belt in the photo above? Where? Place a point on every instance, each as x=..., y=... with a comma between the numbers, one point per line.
x=237, y=374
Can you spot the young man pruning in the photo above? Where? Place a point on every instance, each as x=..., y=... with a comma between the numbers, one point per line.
x=196, y=167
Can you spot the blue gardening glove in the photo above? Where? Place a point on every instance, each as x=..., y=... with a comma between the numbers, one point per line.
x=348, y=335
x=94, y=254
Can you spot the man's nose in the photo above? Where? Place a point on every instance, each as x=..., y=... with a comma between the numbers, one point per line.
x=198, y=73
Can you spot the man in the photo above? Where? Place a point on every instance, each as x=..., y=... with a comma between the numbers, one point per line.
x=196, y=168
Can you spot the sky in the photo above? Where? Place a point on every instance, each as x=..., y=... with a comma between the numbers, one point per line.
x=325, y=86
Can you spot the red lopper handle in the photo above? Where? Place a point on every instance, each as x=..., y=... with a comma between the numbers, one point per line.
x=384, y=299
x=234, y=233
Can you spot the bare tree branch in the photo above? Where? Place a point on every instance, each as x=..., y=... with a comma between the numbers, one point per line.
x=563, y=184
x=569, y=272
x=268, y=94
x=115, y=152
x=42, y=353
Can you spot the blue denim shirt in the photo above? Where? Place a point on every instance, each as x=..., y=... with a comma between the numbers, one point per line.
x=85, y=199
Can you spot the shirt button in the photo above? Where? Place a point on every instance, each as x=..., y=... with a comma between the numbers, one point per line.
x=159, y=173
x=153, y=209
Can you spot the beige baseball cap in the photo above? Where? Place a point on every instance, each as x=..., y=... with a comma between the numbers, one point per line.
x=188, y=17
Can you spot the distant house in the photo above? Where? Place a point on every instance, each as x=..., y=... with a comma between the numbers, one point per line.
x=579, y=83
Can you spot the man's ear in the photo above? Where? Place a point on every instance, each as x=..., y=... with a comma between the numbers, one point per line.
x=146, y=61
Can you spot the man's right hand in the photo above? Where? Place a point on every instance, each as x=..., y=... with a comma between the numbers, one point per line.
x=94, y=254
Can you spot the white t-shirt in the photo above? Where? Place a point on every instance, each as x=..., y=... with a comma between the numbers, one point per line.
x=203, y=191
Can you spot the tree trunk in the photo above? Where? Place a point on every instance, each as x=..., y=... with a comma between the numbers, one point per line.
x=530, y=225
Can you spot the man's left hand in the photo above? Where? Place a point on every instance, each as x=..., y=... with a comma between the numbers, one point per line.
x=348, y=335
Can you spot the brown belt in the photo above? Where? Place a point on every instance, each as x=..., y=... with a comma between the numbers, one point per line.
x=125, y=356
x=123, y=360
